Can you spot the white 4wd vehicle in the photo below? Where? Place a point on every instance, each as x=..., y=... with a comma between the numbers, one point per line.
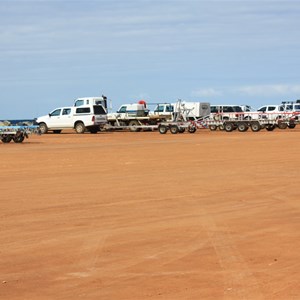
x=82, y=118
x=271, y=111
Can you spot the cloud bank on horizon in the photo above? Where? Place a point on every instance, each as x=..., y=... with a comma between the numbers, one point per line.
x=217, y=51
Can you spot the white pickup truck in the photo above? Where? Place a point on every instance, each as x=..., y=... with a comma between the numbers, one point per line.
x=81, y=118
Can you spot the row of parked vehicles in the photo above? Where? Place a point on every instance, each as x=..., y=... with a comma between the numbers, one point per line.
x=91, y=114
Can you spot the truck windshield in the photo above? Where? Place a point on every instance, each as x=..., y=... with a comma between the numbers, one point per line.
x=99, y=110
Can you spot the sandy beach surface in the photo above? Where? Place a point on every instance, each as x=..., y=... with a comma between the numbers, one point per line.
x=123, y=215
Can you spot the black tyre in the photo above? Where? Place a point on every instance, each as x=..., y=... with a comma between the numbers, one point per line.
x=43, y=128
x=213, y=127
x=228, y=126
x=93, y=130
x=162, y=129
x=192, y=129
x=270, y=127
x=242, y=127
x=221, y=127
x=282, y=125
x=292, y=126
x=18, y=138
x=133, y=124
x=79, y=127
x=255, y=126
x=174, y=129
x=6, y=138
x=181, y=130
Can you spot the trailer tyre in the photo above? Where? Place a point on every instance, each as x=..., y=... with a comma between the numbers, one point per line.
x=242, y=127
x=43, y=128
x=79, y=127
x=6, y=138
x=93, y=130
x=270, y=127
x=213, y=127
x=19, y=138
x=255, y=126
x=174, y=129
x=192, y=129
x=162, y=129
x=181, y=130
x=133, y=125
x=228, y=126
x=282, y=125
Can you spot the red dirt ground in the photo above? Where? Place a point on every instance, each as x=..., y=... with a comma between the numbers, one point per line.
x=121, y=215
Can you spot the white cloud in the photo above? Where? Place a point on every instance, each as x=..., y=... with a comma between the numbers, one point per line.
x=268, y=90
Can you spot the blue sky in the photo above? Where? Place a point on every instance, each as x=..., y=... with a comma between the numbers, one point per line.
x=234, y=52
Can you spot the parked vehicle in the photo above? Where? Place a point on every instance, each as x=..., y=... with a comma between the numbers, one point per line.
x=271, y=111
x=16, y=133
x=135, y=117
x=86, y=117
x=226, y=112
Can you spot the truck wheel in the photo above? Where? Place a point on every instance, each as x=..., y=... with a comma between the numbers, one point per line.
x=6, y=138
x=255, y=126
x=43, y=128
x=162, y=129
x=79, y=127
x=228, y=126
x=133, y=125
x=181, y=130
x=292, y=126
x=213, y=127
x=242, y=127
x=221, y=127
x=174, y=129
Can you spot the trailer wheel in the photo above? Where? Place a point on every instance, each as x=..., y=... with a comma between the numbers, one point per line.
x=133, y=125
x=79, y=127
x=242, y=127
x=6, y=138
x=162, y=129
x=282, y=125
x=255, y=126
x=18, y=138
x=212, y=127
x=192, y=129
x=228, y=126
x=94, y=129
x=174, y=129
x=221, y=127
x=43, y=128
x=181, y=130
x=270, y=127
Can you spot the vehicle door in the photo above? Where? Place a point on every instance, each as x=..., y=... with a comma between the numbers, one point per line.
x=66, y=118
x=262, y=112
x=54, y=118
x=59, y=118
